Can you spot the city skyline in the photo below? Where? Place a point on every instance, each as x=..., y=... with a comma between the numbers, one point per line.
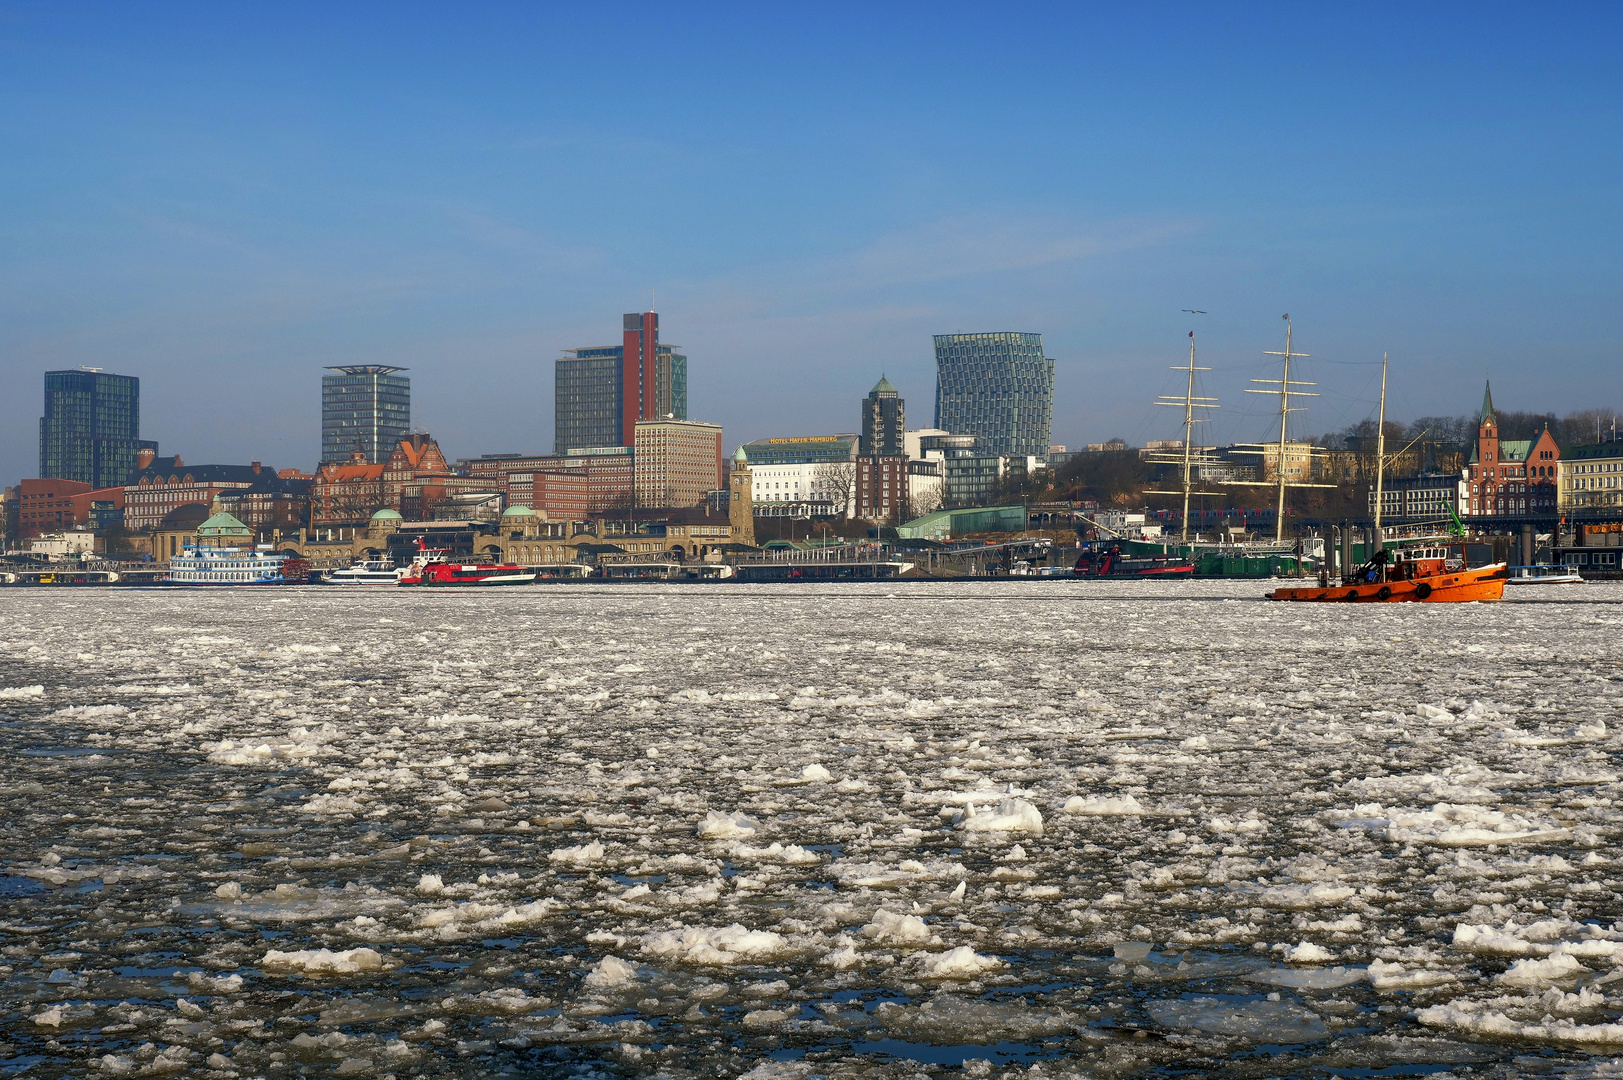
x=213, y=203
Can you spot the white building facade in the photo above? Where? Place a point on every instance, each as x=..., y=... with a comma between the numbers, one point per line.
x=803, y=489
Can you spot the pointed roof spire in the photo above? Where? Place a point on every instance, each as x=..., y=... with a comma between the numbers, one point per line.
x=1487, y=405
x=883, y=388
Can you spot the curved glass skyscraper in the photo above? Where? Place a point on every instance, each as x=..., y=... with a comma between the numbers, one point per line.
x=998, y=387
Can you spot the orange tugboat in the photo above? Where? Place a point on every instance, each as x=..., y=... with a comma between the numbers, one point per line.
x=1426, y=574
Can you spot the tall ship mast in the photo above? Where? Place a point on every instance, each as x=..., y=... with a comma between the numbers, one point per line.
x=1286, y=388
x=1190, y=402
x=1380, y=455
x=1428, y=569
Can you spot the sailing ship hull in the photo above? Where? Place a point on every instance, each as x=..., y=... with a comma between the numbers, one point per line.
x=1116, y=566
x=1484, y=584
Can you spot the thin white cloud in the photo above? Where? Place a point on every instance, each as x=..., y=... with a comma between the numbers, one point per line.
x=959, y=248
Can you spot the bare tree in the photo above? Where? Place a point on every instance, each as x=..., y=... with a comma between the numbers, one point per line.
x=346, y=503
x=924, y=502
x=838, y=479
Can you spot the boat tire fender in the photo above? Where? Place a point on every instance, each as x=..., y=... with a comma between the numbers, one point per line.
x=1383, y=593
x=1422, y=590
x=1352, y=597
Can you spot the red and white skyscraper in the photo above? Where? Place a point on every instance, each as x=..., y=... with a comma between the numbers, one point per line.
x=601, y=392
x=639, y=353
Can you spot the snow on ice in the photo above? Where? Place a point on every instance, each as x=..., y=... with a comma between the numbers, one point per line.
x=1022, y=829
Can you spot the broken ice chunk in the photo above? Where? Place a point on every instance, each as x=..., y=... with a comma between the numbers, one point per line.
x=719, y=826
x=1333, y=978
x=889, y=926
x=1305, y=952
x=1103, y=806
x=1259, y=1021
x=1011, y=815
x=323, y=961
x=579, y=855
x=611, y=971
x=1133, y=951
x=714, y=945
x=1557, y=966
x=1393, y=976
x=960, y=963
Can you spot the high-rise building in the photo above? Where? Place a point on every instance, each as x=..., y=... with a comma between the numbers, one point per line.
x=91, y=430
x=998, y=387
x=586, y=399
x=678, y=462
x=600, y=393
x=883, y=422
x=365, y=409
x=882, y=473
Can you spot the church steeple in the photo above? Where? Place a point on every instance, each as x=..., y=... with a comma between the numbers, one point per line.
x=1487, y=416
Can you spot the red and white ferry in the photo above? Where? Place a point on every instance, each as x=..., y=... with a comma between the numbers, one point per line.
x=433, y=567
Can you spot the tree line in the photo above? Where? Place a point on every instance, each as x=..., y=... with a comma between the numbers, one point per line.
x=1458, y=433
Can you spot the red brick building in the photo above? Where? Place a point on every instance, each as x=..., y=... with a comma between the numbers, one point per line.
x=568, y=487
x=46, y=506
x=275, y=504
x=165, y=484
x=346, y=495
x=1509, y=477
x=882, y=488
x=412, y=483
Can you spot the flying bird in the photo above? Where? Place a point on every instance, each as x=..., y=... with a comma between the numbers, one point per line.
x=1192, y=311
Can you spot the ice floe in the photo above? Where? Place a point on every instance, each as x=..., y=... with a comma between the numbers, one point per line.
x=539, y=832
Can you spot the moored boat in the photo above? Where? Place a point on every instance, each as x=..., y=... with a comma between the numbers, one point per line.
x=380, y=571
x=1544, y=574
x=206, y=565
x=1110, y=561
x=434, y=568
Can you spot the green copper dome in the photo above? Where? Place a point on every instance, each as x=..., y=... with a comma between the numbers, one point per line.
x=223, y=524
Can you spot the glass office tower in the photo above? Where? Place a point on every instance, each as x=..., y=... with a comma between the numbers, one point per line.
x=91, y=429
x=365, y=408
x=997, y=387
x=591, y=405
x=586, y=399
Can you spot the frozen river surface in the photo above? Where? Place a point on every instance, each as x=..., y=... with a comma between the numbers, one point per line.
x=1036, y=828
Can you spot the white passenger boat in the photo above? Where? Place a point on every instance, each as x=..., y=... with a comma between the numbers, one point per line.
x=380, y=571
x=204, y=565
x=1544, y=574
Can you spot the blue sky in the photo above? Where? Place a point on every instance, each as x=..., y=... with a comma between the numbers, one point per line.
x=222, y=199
